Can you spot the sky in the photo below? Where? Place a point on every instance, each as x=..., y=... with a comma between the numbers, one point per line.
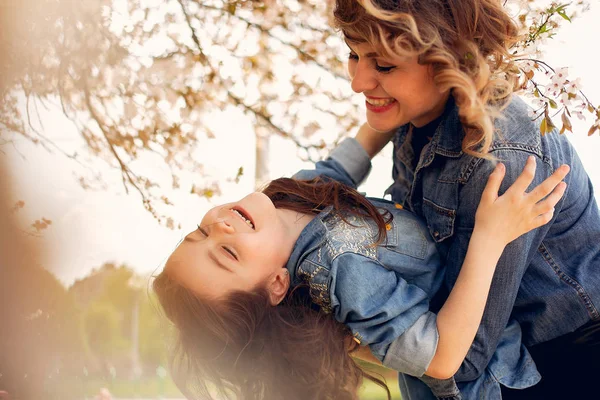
x=92, y=227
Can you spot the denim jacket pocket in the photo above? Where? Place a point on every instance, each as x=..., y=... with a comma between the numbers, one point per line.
x=407, y=236
x=440, y=220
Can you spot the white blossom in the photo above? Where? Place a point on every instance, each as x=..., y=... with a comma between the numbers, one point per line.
x=578, y=114
x=527, y=66
x=564, y=99
x=540, y=102
x=560, y=76
x=573, y=86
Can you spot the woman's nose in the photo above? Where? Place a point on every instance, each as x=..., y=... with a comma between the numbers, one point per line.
x=363, y=78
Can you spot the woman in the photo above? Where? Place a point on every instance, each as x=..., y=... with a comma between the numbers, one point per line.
x=234, y=287
x=438, y=79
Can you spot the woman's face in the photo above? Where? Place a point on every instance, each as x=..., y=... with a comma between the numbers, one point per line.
x=397, y=91
x=237, y=246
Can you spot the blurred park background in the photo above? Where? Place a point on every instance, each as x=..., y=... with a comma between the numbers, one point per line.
x=122, y=122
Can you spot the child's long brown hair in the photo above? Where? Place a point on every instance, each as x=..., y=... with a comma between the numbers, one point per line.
x=246, y=347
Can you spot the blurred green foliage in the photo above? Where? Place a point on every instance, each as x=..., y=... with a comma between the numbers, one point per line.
x=57, y=341
x=68, y=343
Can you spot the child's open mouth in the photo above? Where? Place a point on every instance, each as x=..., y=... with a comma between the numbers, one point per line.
x=245, y=217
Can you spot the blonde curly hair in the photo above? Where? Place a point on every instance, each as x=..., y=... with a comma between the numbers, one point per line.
x=467, y=43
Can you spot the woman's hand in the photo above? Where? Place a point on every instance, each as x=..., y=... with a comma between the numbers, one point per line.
x=371, y=140
x=517, y=212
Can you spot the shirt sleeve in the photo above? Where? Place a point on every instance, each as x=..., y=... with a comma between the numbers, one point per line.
x=348, y=163
x=385, y=312
x=510, y=268
x=413, y=351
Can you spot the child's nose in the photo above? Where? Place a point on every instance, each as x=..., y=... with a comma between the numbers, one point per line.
x=224, y=226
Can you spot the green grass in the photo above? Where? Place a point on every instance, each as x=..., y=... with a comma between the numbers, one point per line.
x=371, y=391
x=119, y=388
x=154, y=388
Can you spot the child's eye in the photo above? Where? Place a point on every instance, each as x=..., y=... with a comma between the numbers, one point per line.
x=352, y=56
x=202, y=231
x=230, y=252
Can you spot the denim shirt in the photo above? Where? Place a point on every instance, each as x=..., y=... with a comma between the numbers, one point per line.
x=382, y=293
x=549, y=279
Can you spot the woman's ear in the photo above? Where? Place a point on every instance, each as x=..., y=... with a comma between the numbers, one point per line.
x=278, y=286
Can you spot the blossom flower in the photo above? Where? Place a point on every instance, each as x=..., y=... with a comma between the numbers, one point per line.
x=560, y=76
x=573, y=86
x=527, y=66
x=578, y=114
x=564, y=99
x=540, y=102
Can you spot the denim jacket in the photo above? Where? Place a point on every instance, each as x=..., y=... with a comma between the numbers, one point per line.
x=549, y=279
x=382, y=293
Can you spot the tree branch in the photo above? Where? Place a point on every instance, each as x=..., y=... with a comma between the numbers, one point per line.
x=262, y=29
x=203, y=57
x=126, y=173
x=235, y=99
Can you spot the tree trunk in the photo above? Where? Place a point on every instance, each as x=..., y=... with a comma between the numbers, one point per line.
x=261, y=175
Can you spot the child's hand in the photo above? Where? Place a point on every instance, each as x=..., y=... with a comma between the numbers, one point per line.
x=516, y=212
x=371, y=140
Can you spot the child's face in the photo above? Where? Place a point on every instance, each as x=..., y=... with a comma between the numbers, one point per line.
x=397, y=91
x=227, y=253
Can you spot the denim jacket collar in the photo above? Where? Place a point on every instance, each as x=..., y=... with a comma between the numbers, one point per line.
x=311, y=236
x=448, y=145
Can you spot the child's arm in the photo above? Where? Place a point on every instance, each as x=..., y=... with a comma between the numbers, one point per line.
x=498, y=221
x=350, y=162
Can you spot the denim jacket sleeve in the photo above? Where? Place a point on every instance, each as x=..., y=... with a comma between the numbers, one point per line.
x=348, y=163
x=510, y=267
x=385, y=312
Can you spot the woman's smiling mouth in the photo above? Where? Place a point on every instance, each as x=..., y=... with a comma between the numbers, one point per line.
x=379, y=105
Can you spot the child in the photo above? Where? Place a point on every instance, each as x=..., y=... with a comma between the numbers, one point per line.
x=268, y=290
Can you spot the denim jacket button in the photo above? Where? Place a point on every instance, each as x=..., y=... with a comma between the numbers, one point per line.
x=436, y=234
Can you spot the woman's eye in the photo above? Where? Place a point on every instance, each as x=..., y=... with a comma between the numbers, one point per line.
x=352, y=56
x=230, y=252
x=380, y=68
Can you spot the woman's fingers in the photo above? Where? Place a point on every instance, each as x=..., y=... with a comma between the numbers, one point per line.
x=524, y=180
x=490, y=192
x=543, y=189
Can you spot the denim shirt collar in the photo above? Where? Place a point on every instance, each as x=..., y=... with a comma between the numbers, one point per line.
x=445, y=141
x=311, y=236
